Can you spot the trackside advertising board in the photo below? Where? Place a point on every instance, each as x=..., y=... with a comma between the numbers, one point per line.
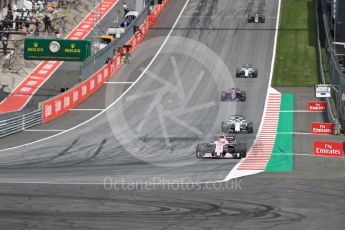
x=321, y=128
x=328, y=149
x=322, y=90
x=317, y=106
x=56, y=49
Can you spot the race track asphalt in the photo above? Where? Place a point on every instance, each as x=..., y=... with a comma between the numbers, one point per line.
x=125, y=145
x=153, y=130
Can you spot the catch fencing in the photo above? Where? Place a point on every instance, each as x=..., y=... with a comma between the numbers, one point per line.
x=336, y=72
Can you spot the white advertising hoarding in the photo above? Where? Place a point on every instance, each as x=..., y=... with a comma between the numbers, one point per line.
x=322, y=90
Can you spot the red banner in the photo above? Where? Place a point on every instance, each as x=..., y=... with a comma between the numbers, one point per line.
x=321, y=128
x=153, y=20
x=57, y=106
x=317, y=106
x=328, y=149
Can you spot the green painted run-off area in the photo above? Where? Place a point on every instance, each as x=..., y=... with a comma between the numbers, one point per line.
x=282, y=155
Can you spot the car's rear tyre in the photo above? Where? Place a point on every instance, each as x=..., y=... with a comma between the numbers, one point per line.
x=243, y=96
x=223, y=96
x=255, y=74
x=238, y=73
x=200, y=150
x=250, y=128
x=225, y=127
x=241, y=148
x=225, y=150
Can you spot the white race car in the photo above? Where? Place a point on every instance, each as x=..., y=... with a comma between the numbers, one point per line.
x=247, y=71
x=257, y=18
x=237, y=124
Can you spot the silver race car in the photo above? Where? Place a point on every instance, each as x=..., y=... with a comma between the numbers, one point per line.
x=237, y=124
x=247, y=71
x=233, y=94
x=257, y=18
x=223, y=147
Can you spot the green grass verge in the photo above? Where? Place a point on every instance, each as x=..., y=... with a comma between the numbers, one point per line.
x=282, y=157
x=296, y=57
x=325, y=67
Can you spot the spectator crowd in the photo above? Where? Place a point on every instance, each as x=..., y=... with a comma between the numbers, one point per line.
x=42, y=17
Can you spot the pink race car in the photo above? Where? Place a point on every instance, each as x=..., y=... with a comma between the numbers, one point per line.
x=223, y=147
x=233, y=94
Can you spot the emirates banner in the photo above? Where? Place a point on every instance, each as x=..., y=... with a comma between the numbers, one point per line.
x=321, y=128
x=328, y=149
x=317, y=106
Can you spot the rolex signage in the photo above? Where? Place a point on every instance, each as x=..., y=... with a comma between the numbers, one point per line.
x=56, y=49
x=35, y=48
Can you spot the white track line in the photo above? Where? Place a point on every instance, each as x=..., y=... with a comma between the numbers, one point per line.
x=299, y=111
x=221, y=17
x=298, y=133
x=274, y=47
x=307, y=155
x=234, y=172
x=43, y=130
x=86, y=109
x=119, y=98
x=119, y=82
x=303, y=133
x=114, y=183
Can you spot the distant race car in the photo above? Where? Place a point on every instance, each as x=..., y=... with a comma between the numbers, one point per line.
x=129, y=18
x=224, y=146
x=233, y=94
x=247, y=71
x=237, y=124
x=257, y=18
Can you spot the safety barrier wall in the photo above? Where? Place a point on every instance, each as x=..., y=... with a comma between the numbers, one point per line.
x=337, y=77
x=19, y=123
x=62, y=103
